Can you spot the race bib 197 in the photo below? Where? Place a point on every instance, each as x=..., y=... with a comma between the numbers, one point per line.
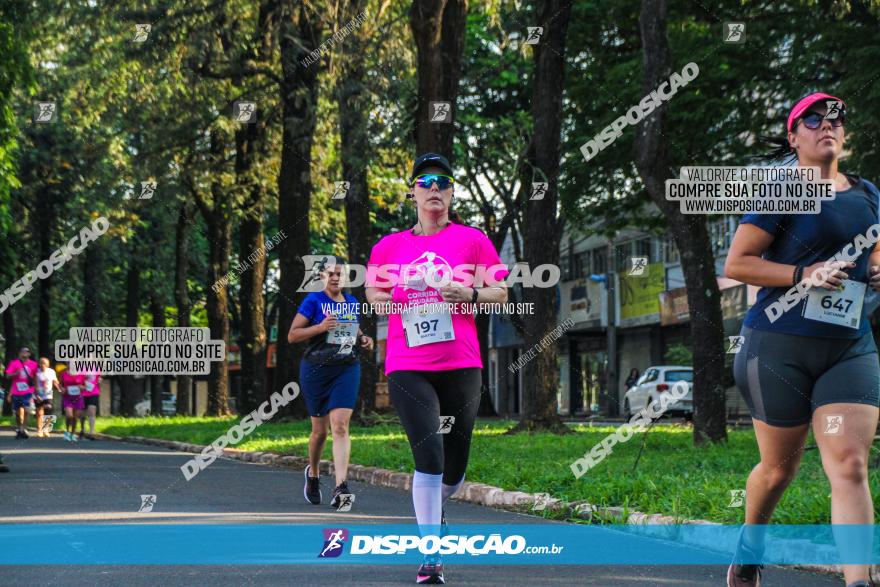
x=843, y=308
x=427, y=324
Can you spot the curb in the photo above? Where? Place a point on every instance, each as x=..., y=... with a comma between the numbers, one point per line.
x=470, y=492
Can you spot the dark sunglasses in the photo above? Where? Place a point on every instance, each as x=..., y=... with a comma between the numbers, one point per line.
x=425, y=181
x=813, y=120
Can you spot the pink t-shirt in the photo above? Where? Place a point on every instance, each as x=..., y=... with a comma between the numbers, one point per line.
x=444, y=253
x=91, y=384
x=68, y=379
x=22, y=384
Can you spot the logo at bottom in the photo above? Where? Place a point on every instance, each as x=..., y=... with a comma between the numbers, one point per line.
x=334, y=542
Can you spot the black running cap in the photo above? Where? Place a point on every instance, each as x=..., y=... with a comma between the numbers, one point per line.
x=430, y=160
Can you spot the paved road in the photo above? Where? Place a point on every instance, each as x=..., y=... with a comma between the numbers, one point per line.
x=101, y=481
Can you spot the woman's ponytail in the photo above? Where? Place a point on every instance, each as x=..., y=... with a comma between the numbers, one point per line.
x=779, y=150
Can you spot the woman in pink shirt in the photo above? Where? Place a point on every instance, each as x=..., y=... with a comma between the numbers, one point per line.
x=71, y=389
x=434, y=271
x=22, y=373
x=91, y=395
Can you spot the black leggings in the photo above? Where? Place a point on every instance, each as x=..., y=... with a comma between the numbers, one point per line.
x=421, y=398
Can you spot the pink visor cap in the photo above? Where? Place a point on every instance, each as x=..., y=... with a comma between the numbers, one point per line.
x=805, y=102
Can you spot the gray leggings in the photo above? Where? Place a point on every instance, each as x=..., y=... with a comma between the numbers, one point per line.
x=785, y=377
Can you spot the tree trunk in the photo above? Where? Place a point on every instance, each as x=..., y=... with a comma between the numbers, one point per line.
x=299, y=93
x=438, y=28
x=689, y=232
x=542, y=227
x=10, y=343
x=253, y=306
x=132, y=390
x=354, y=111
x=46, y=219
x=91, y=286
x=220, y=245
x=487, y=408
x=157, y=382
x=181, y=297
x=11, y=350
x=251, y=245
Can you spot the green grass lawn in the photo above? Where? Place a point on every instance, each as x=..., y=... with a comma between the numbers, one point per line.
x=673, y=477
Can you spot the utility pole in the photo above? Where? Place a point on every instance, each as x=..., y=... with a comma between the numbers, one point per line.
x=611, y=333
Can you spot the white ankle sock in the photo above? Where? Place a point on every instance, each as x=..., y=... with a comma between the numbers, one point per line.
x=427, y=499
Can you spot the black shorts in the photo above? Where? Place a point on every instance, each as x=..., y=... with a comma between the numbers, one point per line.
x=785, y=377
x=91, y=400
x=45, y=404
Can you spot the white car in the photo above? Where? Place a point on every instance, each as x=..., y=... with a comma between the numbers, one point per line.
x=655, y=382
x=142, y=408
x=145, y=407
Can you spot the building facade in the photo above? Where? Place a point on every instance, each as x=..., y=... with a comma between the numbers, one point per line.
x=626, y=299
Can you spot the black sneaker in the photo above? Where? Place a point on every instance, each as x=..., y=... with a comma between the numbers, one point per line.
x=335, y=501
x=312, y=487
x=744, y=575
x=3, y=467
x=21, y=434
x=431, y=572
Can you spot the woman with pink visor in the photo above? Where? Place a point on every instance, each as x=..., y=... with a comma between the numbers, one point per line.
x=814, y=365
